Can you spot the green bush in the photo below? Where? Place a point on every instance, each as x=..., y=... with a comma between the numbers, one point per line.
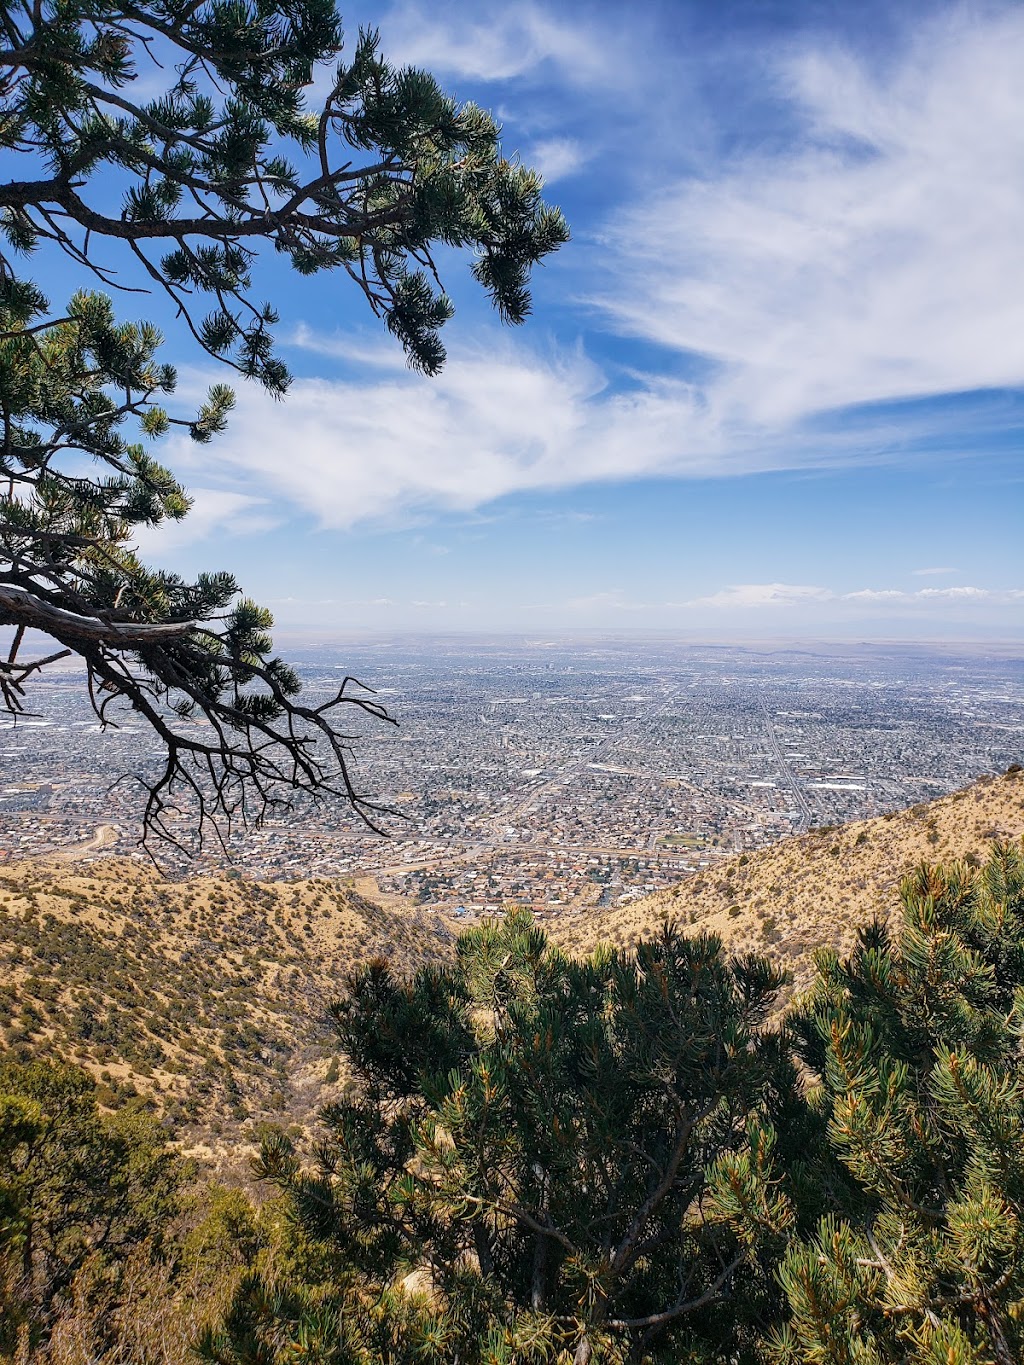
x=76, y=1187
x=622, y=1160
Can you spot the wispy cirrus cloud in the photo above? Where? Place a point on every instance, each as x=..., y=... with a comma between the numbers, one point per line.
x=865, y=260
x=496, y=42
x=214, y=511
x=379, y=443
x=963, y=594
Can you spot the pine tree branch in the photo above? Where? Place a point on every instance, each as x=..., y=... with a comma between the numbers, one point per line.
x=20, y=607
x=678, y=1310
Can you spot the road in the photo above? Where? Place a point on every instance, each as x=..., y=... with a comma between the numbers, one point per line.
x=104, y=836
x=806, y=814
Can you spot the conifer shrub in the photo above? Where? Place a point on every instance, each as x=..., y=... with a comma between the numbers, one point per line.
x=539, y=1143
x=914, y=1047
x=621, y=1159
x=77, y=1188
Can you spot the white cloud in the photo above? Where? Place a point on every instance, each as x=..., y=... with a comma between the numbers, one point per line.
x=872, y=260
x=755, y=596
x=351, y=450
x=932, y=573
x=962, y=594
x=498, y=43
x=555, y=157
x=951, y=594
x=743, y=596
x=876, y=595
x=500, y=419
x=358, y=349
x=214, y=511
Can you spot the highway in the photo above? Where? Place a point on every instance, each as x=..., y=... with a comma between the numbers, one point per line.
x=806, y=815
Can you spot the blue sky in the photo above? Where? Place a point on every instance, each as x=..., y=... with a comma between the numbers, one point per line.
x=774, y=385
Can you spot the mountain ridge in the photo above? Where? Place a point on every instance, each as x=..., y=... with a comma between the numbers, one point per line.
x=207, y=999
x=816, y=889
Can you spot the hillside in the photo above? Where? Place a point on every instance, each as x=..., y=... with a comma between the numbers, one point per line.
x=207, y=996
x=816, y=888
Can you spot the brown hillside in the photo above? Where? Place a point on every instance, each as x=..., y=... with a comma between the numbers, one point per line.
x=816, y=888
x=207, y=996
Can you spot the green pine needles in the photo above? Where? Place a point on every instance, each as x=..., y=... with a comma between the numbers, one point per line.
x=80, y=1192
x=539, y=1160
x=231, y=157
x=628, y=1159
x=915, y=1046
x=187, y=186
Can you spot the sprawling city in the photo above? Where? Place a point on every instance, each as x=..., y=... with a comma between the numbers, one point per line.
x=554, y=772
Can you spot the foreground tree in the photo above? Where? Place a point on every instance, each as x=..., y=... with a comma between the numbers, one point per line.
x=109, y=1251
x=228, y=159
x=77, y=1188
x=916, y=1044
x=625, y=1159
x=542, y=1144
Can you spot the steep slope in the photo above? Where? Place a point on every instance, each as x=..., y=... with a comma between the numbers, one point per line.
x=207, y=996
x=816, y=888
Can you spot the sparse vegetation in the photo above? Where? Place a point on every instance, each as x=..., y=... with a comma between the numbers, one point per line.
x=206, y=997
x=826, y=899
x=499, y=1177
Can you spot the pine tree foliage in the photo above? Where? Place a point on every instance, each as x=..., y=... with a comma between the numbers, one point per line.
x=536, y=1142
x=915, y=1047
x=229, y=158
x=627, y=1159
x=76, y=1188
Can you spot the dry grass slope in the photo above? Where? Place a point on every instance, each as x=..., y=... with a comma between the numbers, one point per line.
x=207, y=996
x=817, y=888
